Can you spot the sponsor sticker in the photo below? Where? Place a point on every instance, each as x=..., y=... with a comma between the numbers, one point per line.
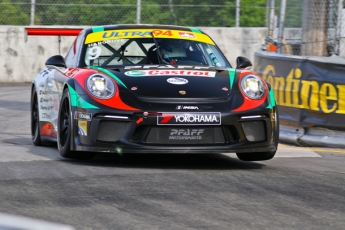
x=82, y=127
x=167, y=66
x=186, y=134
x=50, y=107
x=179, y=107
x=177, y=81
x=195, y=73
x=189, y=119
x=46, y=116
x=100, y=36
x=82, y=116
x=186, y=34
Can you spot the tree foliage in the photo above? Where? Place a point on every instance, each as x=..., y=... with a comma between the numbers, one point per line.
x=216, y=13
x=14, y=14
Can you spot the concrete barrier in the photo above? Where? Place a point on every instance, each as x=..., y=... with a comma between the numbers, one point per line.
x=21, y=57
x=309, y=96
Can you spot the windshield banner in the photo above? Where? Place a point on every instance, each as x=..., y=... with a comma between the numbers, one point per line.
x=100, y=36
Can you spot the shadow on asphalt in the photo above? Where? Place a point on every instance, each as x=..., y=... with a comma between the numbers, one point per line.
x=169, y=161
x=151, y=161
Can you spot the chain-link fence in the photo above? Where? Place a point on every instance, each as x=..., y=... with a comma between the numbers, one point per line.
x=209, y=13
x=306, y=27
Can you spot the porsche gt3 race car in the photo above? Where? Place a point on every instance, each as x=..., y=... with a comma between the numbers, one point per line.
x=152, y=89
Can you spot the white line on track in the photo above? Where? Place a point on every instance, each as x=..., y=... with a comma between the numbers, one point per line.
x=289, y=152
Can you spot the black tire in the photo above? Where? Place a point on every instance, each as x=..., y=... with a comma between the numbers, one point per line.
x=35, y=120
x=64, y=130
x=260, y=156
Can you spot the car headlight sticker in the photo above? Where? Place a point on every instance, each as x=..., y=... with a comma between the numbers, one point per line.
x=100, y=86
x=253, y=87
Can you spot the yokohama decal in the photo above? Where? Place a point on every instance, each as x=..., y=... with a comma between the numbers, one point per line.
x=189, y=119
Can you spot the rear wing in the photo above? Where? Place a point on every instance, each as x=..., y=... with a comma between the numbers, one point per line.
x=52, y=31
x=37, y=31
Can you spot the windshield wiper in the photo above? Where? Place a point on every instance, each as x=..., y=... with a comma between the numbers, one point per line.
x=159, y=55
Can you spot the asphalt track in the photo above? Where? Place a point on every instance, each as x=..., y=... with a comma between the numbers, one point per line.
x=301, y=188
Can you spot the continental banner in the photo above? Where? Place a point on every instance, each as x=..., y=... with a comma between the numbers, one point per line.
x=309, y=92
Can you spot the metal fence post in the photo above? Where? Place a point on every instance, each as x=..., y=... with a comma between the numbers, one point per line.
x=32, y=13
x=271, y=20
x=238, y=5
x=281, y=24
x=339, y=45
x=138, y=11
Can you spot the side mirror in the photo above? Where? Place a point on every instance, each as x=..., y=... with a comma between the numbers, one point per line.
x=243, y=63
x=56, y=62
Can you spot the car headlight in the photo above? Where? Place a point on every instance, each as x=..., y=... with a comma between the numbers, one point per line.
x=100, y=86
x=253, y=87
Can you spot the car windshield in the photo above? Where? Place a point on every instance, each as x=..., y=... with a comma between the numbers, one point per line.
x=166, y=47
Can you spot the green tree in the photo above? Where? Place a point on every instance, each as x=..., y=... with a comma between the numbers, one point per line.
x=253, y=14
x=215, y=13
x=14, y=14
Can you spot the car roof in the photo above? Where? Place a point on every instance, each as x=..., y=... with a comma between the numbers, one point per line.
x=140, y=26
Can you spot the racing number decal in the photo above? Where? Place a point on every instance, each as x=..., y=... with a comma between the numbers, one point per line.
x=162, y=32
x=94, y=52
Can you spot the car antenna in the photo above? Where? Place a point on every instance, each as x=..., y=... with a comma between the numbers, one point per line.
x=159, y=55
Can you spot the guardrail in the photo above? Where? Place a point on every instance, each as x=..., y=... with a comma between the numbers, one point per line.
x=310, y=94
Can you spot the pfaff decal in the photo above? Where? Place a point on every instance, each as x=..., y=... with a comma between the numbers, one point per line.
x=186, y=134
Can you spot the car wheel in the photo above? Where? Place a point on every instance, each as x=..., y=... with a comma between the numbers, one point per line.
x=64, y=133
x=35, y=120
x=257, y=156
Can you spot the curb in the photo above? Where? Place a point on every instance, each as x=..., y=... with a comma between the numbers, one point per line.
x=318, y=137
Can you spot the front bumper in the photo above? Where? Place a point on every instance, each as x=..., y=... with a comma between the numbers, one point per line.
x=254, y=131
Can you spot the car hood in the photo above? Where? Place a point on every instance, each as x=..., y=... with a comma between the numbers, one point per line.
x=175, y=82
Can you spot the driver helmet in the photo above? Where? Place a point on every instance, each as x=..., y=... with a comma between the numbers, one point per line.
x=172, y=52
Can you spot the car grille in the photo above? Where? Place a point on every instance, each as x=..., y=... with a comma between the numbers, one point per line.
x=254, y=130
x=110, y=131
x=185, y=135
